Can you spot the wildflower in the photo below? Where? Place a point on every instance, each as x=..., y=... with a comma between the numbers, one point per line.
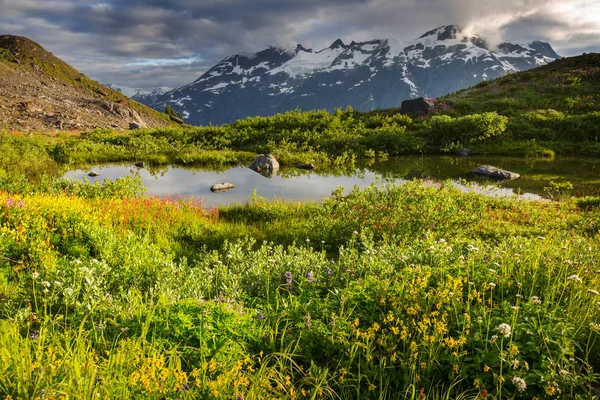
x=493, y=271
x=46, y=284
x=288, y=279
x=322, y=242
x=563, y=372
x=307, y=240
x=492, y=285
x=574, y=278
x=504, y=329
x=535, y=300
x=493, y=338
x=327, y=271
x=515, y=364
x=310, y=277
x=486, y=368
x=35, y=335
x=35, y=275
x=261, y=316
x=519, y=383
x=594, y=326
x=100, y=327
x=519, y=296
x=355, y=233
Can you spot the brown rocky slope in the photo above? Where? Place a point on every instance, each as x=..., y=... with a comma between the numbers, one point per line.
x=41, y=93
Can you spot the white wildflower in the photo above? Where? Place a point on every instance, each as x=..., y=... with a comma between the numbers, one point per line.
x=493, y=271
x=535, y=300
x=519, y=383
x=563, y=372
x=504, y=329
x=58, y=283
x=515, y=364
x=492, y=285
x=493, y=338
x=594, y=326
x=519, y=296
x=35, y=275
x=574, y=278
x=46, y=284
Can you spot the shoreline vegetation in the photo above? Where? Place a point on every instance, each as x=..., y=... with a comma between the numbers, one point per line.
x=417, y=291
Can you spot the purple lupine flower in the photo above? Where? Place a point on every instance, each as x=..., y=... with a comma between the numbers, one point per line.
x=310, y=277
x=261, y=316
x=328, y=272
x=288, y=279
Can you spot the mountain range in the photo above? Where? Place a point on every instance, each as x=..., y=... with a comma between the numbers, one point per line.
x=364, y=75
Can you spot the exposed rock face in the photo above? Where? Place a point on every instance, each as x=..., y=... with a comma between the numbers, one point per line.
x=491, y=172
x=264, y=163
x=366, y=75
x=41, y=93
x=419, y=105
x=221, y=187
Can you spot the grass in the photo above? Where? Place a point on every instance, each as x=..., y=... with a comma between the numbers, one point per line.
x=387, y=293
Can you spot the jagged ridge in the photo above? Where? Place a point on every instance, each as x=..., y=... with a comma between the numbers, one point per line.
x=365, y=75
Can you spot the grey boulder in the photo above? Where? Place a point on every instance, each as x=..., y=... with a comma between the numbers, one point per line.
x=491, y=172
x=419, y=105
x=305, y=166
x=221, y=187
x=264, y=163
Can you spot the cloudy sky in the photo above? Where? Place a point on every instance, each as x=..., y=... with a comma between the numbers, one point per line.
x=151, y=43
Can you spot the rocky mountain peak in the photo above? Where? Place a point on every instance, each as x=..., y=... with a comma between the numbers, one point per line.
x=338, y=44
x=365, y=75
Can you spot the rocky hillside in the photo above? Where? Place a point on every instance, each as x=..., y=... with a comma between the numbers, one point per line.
x=41, y=93
x=367, y=75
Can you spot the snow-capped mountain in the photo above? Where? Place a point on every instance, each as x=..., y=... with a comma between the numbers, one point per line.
x=141, y=95
x=365, y=75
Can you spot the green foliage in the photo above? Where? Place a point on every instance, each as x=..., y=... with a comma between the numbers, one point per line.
x=444, y=130
x=373, y=295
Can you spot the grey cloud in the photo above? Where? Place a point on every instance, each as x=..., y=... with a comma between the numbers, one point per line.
x=103, y=37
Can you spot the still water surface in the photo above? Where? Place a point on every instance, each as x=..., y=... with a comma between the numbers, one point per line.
x=299, y=185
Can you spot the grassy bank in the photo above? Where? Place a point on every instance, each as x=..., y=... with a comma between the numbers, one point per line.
x=388, y=293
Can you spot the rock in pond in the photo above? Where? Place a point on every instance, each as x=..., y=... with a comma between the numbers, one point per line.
x=140, y=164
x=464, y=152
x=489, y=171
x=221, y=187
x=93, y=173
x=264, y=163
x=305, y=166
x=419, y=105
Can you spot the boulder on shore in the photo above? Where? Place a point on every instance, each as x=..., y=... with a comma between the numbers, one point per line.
x=93, y=174
x=305, y=166
x=491, y=172
x=419, y=105
x=464, y=152
x=221, y=187
x=264, y=163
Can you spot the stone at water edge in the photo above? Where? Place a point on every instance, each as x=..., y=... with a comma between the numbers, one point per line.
x=489, y=171
x=134, y=126
x=419, y=105
x=305, y=166
x=140, y=164
x=264, y=163
x=220, y=187
x=464, y=152
x=93, y=174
